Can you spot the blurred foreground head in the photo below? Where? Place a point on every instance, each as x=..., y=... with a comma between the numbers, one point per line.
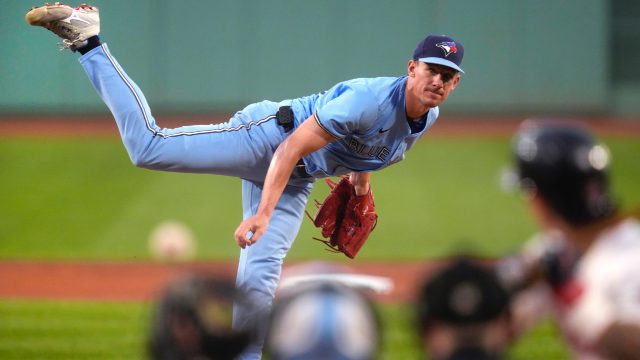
x=462, y=313
x=567, y=167
x=323, y=320
x=192, y=320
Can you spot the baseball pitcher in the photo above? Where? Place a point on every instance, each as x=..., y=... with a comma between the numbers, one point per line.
x=278, y=149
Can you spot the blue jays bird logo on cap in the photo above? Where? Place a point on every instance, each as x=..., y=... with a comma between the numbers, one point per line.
x=449, y=47
x=441, y=50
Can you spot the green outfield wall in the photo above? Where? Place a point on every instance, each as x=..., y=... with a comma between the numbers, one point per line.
x=527, y=56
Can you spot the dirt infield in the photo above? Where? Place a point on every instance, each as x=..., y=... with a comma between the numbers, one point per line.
x=140, y=281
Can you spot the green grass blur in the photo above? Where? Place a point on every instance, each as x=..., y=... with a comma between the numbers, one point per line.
x=72, y=330
x=56, y=330
x=82, y=199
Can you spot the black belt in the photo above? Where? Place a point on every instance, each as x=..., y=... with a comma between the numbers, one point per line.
x=300, y=171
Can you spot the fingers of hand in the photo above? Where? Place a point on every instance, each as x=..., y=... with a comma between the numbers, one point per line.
x=241, y=236
x=250, y=230
x=247, y=235
x=257, y=234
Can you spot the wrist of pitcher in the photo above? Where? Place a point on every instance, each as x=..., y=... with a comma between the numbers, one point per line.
x=265, y=211
x=360, y=187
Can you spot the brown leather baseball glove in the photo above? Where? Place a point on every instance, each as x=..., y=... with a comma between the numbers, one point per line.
x=345, y=218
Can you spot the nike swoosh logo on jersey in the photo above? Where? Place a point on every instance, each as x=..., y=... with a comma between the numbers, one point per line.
x=383, y=131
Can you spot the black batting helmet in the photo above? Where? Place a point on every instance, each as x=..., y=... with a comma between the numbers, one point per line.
x=567, y=166
x=462, y=293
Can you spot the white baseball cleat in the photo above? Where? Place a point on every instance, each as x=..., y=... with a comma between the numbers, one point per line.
x=73, y=25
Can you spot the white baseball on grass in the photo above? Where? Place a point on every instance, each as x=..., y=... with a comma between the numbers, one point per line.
x=172, y=240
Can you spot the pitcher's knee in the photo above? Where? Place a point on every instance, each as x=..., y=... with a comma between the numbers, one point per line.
x=138, y=154
x=139, y=160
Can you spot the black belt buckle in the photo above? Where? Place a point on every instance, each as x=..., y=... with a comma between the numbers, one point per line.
x=285, y=118
x=300, y=171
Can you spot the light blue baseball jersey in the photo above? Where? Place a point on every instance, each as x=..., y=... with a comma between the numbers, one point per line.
x=368, y=119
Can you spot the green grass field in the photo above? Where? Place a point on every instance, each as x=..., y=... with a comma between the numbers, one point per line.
x=82, y=199
x=96, y=330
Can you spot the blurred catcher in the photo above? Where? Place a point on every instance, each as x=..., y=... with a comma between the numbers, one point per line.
x=192, y=320
x=463, y=313
x=584, y=263
x=278, y=149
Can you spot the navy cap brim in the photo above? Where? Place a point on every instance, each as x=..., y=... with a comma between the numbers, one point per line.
x=441, y=61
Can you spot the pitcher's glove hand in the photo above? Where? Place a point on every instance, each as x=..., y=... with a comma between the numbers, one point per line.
x=345, y=218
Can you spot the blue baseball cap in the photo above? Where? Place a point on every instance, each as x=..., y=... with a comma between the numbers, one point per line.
x=441, y=50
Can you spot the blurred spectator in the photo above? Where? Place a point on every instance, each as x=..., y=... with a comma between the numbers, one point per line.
x=192, y=320
x=462, y=313
x=583, y=267
x=323, y=320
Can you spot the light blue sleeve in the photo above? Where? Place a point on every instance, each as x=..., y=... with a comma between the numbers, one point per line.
x=353, y=111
